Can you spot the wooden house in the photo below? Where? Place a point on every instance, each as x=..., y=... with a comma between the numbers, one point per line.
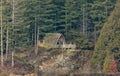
x=55, y=40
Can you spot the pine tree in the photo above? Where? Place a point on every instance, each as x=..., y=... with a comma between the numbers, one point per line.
x=108, y=42
x=70, y=17
x=67, y=17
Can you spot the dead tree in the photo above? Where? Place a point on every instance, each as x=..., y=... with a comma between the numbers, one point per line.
x=1, y=38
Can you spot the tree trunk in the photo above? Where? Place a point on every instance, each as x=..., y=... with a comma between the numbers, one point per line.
x=66, y=28
x=1, y=38
x=95, y=35
x=12, y=58
x=7, y=41
x=37, y=41
x=13, y=42
x=83, y=20
x=35, y=37
x=106, y=8
x=86, y=20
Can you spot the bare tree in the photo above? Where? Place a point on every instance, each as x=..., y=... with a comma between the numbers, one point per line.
x=13, y=22
x=7, y=38
x=1, y=38
x=7, y=41
x=37, y=40
x=35, y=36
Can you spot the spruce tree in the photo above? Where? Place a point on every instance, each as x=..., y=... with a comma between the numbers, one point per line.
x=108, y=43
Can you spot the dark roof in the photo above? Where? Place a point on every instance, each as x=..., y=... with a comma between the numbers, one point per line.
x=52, y=38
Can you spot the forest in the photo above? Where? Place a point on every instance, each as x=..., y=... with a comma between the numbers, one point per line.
x=93, y=25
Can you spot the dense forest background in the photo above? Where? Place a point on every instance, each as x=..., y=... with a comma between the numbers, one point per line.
x=80, y=21
x=90, y=24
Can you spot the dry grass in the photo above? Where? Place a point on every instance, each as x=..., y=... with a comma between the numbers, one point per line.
x=3, y=74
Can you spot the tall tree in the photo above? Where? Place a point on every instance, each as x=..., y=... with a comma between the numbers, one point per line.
x=108, y=43
x=8, y=20
x=67, y=17
x=70, y=16
x=13, y=33
x=1, y=35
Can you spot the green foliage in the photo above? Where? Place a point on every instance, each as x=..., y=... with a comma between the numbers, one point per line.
x=108, y=43
x=106, y=65
x=47, y=45
x=63, y=16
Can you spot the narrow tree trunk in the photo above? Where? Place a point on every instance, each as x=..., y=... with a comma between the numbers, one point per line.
x=37, y=41
x=83, y=20
x=12, y=58
x=1, y=38
x=7, y=41
x=7, y=36
x=86, y=18
x=13, y=22
x=66, y=27
x=35, y=36
x=95, y=35
x=106, y=8
x=32, y=37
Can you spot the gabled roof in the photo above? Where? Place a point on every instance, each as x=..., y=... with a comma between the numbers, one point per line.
x=52, y=38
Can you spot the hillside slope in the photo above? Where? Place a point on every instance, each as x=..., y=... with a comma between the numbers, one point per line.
x=108, y=44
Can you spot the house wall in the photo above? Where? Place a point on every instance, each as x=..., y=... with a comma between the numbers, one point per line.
x=61, y=39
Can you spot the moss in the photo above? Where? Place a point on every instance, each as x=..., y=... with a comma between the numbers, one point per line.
x=46, y=45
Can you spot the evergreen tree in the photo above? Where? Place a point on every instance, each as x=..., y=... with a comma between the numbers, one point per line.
x=108, y=42
x=68, y=17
